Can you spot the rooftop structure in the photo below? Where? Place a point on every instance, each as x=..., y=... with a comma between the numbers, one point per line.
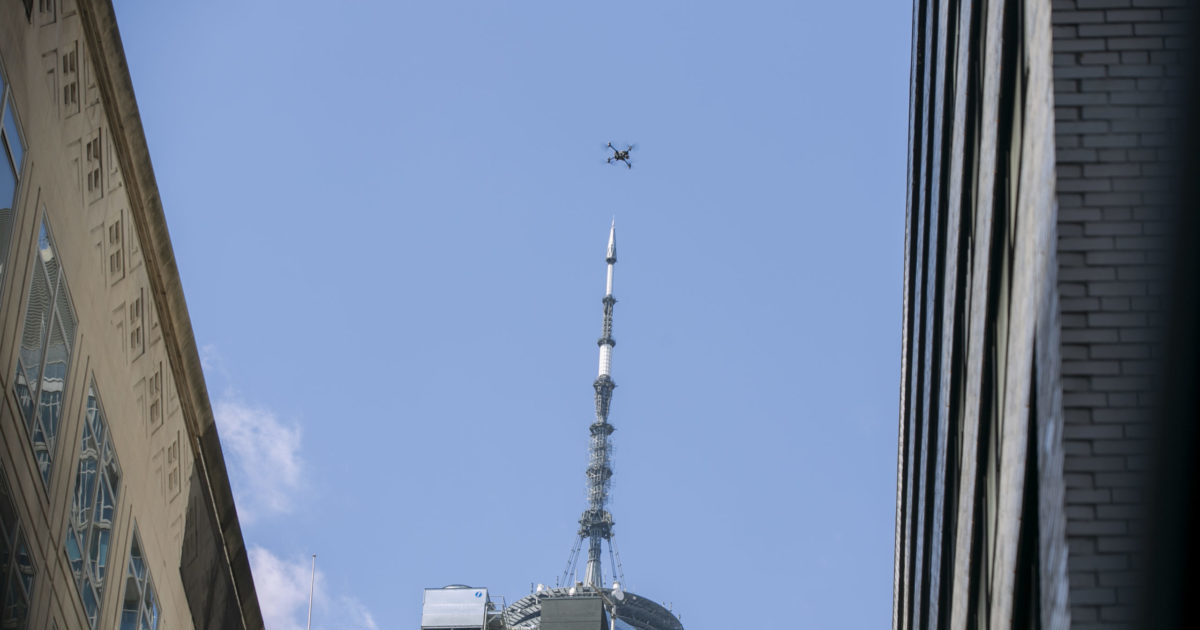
x=596, y=523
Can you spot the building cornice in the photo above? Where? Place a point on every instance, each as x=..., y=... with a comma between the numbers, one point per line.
x=145, y=207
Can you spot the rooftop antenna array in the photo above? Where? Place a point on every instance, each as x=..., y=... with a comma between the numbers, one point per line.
x=596, y=523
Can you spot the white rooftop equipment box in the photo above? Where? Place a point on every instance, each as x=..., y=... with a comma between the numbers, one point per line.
x=454, y=607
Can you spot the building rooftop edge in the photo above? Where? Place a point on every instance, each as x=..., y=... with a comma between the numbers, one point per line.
x=145, y=205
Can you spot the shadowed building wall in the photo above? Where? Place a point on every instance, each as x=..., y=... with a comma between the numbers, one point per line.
x=1040, y=180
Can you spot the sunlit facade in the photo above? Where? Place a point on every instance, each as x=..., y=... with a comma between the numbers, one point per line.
x=115, y=509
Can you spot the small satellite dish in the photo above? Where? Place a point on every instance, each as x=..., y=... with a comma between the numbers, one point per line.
x=541, y=587
x=617, y=593
x=571, y=592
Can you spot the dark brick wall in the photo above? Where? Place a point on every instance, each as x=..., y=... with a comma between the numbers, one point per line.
x=1114, y=62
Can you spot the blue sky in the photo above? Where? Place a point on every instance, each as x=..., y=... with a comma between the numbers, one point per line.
x=390, y=221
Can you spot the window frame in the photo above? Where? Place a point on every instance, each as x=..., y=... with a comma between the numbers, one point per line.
x=106, y=454
x=59, y=293
x=15, y=539
x=8, y=107
x=144, y=584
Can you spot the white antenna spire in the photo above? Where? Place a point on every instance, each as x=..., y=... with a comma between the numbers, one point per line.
x=596, y=523
x=607, y=346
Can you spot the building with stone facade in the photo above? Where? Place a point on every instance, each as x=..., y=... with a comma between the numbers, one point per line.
x=1042, y=150
x=115, y=508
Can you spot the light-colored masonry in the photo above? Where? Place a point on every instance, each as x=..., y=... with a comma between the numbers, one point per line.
x=87, y=214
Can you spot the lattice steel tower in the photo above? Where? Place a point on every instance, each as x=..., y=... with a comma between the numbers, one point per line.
x=567, y=604
x=596, y=523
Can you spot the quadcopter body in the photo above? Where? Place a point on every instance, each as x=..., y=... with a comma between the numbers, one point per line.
x=620, y=155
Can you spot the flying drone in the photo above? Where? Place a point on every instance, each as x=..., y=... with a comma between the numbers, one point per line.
x=619, y=155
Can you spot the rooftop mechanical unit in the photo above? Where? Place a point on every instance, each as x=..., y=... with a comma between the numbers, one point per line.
x=455, y=607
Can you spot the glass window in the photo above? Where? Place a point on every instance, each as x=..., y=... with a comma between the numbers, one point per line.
x=45, y=353
x=17, y=571
x=139, y=607
x=11, y=153
x=11, y=136
x=97, y=486
x=8, y=196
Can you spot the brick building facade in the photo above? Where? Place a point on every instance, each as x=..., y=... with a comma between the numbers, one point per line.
x=1114, y=65
x=1040, y=184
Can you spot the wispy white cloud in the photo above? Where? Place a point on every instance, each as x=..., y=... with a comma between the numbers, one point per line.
x=282, y=586
x=210, y=359
x=263, y=453
x=354, y=614
x=266, y=461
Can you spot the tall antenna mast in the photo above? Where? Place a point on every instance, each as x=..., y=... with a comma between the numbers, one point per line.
x=596, y=523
